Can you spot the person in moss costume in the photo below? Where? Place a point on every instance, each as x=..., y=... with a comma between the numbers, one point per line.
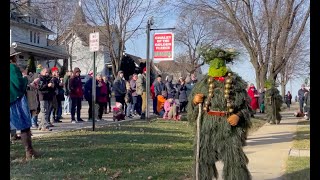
x=273, y=103
x=225, y=118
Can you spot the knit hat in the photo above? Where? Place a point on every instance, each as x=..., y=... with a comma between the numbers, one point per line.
x=54, y=69
x=76, y=69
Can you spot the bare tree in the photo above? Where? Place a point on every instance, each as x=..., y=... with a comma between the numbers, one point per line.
x=193, y=32
x=268, y=30
x=57, y=15
x=297, y=66
x=121, y=20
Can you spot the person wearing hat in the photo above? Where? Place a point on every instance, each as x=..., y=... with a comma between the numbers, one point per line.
x=58, y=97
x=254, y=95
x=119, y=88
x=224, y=118
x=76, y=95
x=20, y=117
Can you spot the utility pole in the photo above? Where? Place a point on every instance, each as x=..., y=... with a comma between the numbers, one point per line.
x=150, y=22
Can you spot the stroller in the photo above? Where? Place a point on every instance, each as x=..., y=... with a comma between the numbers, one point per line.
x=118, y=113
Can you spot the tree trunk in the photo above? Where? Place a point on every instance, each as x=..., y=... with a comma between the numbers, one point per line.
x=283, y=89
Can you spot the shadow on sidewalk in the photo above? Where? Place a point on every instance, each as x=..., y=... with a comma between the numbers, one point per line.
x=284, y=137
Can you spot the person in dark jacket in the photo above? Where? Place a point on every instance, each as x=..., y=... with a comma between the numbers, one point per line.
x=288, y=98
x=88, y=93
x=76, y=95
x=58, y=97
x=109, y=89
x=158, y=86
x=20, y=117
x=183, y=98
x=301, y=96
x=46, y=93
x=67, y=104
x=170, y=88
x=119, y=89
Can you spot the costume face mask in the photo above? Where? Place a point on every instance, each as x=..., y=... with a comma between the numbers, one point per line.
x=217, y=68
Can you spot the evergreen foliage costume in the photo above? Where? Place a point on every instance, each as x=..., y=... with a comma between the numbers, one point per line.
x=225, y=118
x=273, y=103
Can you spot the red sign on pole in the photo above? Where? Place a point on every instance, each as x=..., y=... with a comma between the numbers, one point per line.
x=163, y=46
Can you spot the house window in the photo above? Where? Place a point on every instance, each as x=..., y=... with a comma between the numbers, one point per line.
x=30, y=36
x=32, y=20
x=34, y=37
x=21, y=57
x=36, y=21
x=29, y=19
x=38, y=38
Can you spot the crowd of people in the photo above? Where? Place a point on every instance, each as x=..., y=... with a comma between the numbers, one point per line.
x=258, y=100
x=170, y=100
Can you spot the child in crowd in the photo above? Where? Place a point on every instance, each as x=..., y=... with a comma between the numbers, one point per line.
x=118, y=113
x=171, y=110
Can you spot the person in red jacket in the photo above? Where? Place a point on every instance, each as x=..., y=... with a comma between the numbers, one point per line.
x=76, y=95
x=254, y=95
x=153, y=97
x=102, y=95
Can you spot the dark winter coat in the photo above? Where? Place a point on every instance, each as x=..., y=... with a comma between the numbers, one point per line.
x=75, y=87
x=59, y=89
x=119, y=87
x=45, y=93
x=301, y=94
x=88, y=89
x=170, y=88
x=182, y=91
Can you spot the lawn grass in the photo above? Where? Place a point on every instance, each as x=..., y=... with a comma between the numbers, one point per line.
x=135, y=150
x=302, y=138
x=298, y=168
x=138, y=150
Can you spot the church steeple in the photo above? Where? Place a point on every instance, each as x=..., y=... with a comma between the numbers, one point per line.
x=79, y=17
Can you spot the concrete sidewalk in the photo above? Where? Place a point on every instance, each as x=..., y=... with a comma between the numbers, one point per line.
x=66, y=124
x=268, y=148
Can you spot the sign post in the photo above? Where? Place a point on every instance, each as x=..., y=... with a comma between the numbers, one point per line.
x=93, y=47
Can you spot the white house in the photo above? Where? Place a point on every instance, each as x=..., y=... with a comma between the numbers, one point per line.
x=30, y=37
x=76, y=40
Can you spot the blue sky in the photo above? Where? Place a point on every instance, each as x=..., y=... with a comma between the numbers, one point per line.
x=243, y=67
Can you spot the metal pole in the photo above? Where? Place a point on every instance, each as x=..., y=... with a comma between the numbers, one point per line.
x=148, y=69
x=94, y=91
